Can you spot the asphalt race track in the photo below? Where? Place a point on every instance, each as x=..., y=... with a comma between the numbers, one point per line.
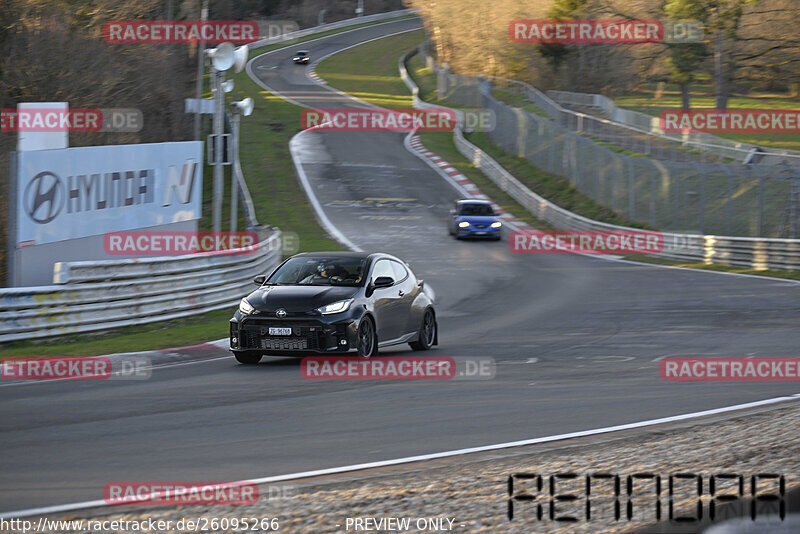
x=576, y=339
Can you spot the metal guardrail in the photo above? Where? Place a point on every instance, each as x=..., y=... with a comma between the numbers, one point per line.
x=330, y=26
x=747, y=252
x=98, y=295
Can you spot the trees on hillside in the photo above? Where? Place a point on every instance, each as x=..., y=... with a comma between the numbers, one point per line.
x=748, y=44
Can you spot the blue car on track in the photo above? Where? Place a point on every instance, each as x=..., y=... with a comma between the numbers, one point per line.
x=474, y=218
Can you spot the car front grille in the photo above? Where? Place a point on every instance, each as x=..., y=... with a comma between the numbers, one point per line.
x=481, y=226
x=284, y=343
x=255, y=335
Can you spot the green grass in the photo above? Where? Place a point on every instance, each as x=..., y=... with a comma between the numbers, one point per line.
x=618, y=149
x=424, y=78
x=517, y=100
x=369, y=71
x=168, y=334
x=278, y=198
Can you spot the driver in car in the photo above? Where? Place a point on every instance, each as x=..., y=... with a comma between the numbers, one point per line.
x=325, y=274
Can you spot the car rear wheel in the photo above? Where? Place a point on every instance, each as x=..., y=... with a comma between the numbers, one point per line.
x=367, y=338
x=427, y=332
x=247, y=358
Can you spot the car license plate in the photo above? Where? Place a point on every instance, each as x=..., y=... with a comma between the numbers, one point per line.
x=273, y=331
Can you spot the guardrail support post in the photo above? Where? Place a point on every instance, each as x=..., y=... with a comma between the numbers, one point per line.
x=631, y=191
x=793, y=207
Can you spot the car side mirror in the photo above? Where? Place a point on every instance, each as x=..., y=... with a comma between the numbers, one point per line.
x=452, y=212
x=259, y=280
x=382, y=281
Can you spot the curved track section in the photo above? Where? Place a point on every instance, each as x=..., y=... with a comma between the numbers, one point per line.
x=577, y=342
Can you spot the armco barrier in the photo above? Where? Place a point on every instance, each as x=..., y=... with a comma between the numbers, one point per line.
x=330, y=26
x=747, y=252
x=107, y=294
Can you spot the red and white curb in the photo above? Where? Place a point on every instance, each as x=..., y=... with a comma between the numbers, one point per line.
x=416, y=144
x=312, y=73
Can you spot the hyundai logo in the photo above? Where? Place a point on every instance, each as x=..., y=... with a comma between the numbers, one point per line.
x=280, y=313
x=44, y=197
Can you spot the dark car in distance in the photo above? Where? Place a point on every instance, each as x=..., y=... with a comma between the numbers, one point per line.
x=333, y=303
x=301, y=57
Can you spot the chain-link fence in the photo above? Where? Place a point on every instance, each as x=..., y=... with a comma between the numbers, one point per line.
x=642, y=133
x=678, y=193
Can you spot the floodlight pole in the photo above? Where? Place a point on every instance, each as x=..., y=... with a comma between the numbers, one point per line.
x=237, y=170
x=219, y=184
x=201, y=57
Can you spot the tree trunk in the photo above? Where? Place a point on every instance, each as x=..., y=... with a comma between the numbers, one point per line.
x=685, y=102
x=660, y=90
x=721, y=89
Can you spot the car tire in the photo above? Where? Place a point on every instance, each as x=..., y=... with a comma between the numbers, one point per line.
x=427, y=332
x=367, y=338
x=247, y=358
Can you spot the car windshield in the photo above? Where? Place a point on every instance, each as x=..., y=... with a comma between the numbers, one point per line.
x=302, y=53
x=320, y=271
x=476, y=209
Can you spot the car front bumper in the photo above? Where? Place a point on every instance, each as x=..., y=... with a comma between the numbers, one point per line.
x=474, y=231
x=251, y=333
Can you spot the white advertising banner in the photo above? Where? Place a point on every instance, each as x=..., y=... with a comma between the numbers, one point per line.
x=80, y=192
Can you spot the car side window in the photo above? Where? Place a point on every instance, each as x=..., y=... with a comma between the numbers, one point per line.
x=400, y=272
x=383, y=268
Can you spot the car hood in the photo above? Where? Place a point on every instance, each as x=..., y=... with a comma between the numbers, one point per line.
x=295, y=299
x=478, y=219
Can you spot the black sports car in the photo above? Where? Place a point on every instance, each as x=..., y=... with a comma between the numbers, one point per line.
x=301, y=57
x=334, y=302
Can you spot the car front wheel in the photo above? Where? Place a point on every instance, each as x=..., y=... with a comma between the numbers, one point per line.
x=367, y=338
x=427, y=332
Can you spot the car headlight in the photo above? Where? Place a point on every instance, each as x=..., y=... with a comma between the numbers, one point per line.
x=245, y=307
x=463, y=224
x=497, y=224
x=335, y=307
x=296, y=58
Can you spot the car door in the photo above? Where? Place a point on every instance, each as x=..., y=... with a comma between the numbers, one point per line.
x=387, y=303
x=407, y=290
